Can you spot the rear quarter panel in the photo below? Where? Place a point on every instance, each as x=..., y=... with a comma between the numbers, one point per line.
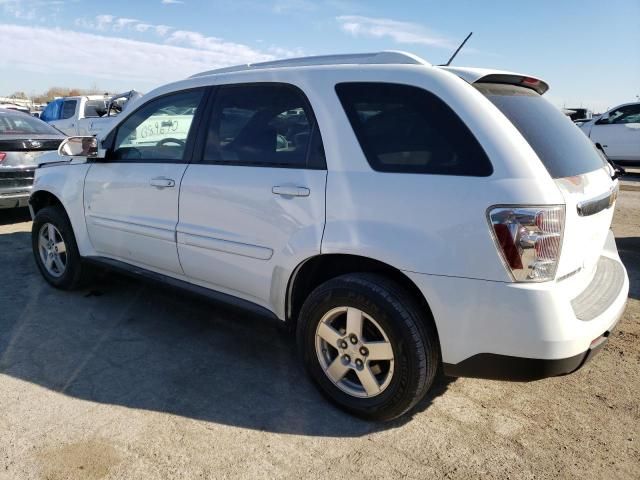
x=433, y=224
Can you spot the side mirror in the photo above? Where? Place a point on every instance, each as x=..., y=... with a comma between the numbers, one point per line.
x=79, y=147
x=604, y=119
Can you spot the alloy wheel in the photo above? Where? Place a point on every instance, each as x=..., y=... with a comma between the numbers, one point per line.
x=354, y=352
x=52, y=249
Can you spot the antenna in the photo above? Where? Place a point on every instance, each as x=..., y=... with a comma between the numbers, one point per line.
x=457, y=50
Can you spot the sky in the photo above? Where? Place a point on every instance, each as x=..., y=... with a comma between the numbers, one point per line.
x=588, y=51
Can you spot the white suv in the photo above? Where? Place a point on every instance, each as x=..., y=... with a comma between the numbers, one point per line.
x=404, y=218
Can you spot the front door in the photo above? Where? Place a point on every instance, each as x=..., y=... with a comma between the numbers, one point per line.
x=619, y=134
x=131, y=197
x=252, y=205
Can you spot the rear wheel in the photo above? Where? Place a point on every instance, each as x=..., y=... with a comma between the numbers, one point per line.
x=55, y=249
x=367, y=345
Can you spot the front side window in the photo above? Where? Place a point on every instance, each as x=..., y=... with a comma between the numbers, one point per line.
x=69, y=109
x=260, y=125
x=622, y=115
x=406, y=129
x=158, y=130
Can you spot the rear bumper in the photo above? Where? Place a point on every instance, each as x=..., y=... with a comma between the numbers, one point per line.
x=517, y=369
x=12, y=199
x=520, y=331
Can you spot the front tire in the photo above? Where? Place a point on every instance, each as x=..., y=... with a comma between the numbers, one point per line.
x=55, y=249
x=368, y=345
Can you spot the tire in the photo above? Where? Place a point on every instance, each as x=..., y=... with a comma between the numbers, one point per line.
x=405, y=327
x=74, y=273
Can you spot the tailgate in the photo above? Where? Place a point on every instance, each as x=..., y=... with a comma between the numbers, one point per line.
x=590, y=200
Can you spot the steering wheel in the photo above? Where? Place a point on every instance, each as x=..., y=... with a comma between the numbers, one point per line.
x=164, y=141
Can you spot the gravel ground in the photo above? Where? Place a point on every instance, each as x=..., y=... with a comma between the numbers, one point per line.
x=128, y=380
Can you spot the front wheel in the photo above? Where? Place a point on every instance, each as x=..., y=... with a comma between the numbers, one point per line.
x=55, y=250
x=368, y=345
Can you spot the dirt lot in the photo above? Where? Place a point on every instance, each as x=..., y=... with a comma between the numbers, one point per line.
x=127, y=380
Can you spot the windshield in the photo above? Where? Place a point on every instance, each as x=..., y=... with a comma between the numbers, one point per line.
x=563, y=149
x=19, y=123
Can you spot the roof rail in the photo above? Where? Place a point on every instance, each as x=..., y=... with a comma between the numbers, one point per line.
x=390, y=57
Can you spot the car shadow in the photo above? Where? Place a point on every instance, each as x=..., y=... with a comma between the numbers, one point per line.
x=14, y=215
x=140, y=345
x=629, y=250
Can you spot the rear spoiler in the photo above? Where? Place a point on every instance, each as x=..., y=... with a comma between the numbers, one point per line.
x=519, y=80
x=484, y=75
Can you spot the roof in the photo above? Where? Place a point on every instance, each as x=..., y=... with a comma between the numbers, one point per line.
x=389, y=57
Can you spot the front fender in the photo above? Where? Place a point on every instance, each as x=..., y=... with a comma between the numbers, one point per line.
x=65, y=181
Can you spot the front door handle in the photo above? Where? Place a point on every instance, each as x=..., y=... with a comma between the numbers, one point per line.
x=162, y=182
x=289, y=191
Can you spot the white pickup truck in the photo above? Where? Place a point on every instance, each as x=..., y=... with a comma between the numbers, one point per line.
x=87, y=114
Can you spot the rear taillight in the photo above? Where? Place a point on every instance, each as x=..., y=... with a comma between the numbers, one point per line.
x=529, y=240
x=2, y=156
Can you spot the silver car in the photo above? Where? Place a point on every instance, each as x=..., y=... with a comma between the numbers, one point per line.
x=23, y=139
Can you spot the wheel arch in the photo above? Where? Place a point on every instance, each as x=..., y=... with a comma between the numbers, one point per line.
x=320, y=268
x=43, y=198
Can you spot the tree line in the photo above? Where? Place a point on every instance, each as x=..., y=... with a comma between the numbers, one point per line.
x=54, y=92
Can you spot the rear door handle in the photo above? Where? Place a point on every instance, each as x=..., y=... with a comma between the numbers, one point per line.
x=289, y=191
x=162, y=182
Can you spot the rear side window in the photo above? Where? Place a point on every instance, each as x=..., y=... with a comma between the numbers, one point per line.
x=69, y=109
x=268, y=125
x=406, y=129
x=563, y=149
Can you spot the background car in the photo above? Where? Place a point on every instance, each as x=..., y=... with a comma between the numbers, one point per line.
x=617, y=134
x=23, y=139
x=13, y=106
x=86, y=114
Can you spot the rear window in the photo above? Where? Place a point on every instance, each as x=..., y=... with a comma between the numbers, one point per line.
x=563, y=149
x=406, y=129
x=19, y=123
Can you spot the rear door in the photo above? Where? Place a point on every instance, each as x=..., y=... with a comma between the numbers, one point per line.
x=619, y=134
x=252, y=203
x=131, y=198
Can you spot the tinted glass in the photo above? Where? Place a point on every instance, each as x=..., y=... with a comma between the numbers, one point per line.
x=563, y=149
x=158, y=130
x=69, y=108
x=407, y=129
x=18, y=123
x=260, y=125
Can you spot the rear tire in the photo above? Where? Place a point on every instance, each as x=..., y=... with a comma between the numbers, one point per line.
x=383, y=369
x=55, y=249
